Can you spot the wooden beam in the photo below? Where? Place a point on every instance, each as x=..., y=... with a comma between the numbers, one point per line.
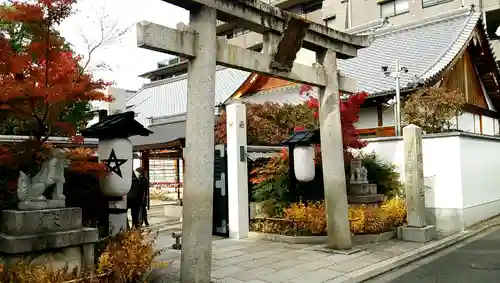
x=261, y=17
x=471, y=108
x=380, y=116
x=163, y=39
x=288, y=46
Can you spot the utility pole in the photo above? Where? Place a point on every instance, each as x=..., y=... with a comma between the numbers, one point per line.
x=397, y=77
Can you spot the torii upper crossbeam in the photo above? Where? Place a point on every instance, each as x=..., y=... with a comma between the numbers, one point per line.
x=260, y=17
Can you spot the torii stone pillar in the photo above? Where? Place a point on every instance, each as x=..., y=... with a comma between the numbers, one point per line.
x=332, y=156
x=196, y=256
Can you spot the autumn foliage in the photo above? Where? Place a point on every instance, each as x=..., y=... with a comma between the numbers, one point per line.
x=41, y=80
x=349, y=109
x=433, y=108
x=272, y=123
x=40, y=76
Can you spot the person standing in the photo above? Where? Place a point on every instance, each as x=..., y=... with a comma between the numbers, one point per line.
x=134, y=201
x=145, y=202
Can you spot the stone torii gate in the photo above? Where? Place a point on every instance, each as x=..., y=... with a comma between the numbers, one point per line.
x=284, y=34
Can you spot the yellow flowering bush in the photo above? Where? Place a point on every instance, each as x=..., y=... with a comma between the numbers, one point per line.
x=127, y=258
x=310, y=219
x=307, y=216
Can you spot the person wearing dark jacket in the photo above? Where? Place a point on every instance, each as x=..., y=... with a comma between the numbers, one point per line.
x=134, y=201
x=145, y=202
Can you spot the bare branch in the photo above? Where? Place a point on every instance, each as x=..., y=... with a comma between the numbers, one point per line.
x=109, y=33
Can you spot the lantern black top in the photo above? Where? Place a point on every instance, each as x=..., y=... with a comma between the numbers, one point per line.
x=304, y=137
x=121, y=125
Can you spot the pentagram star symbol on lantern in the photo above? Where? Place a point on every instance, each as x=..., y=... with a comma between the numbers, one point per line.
x=117, y=163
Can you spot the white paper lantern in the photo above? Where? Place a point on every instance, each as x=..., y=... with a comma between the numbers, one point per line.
x=117, y=154
x=303, y=162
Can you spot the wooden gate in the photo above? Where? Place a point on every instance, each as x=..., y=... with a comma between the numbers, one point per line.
x=220, y=206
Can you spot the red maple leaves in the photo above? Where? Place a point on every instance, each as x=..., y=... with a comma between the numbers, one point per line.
x=349, y=110
x=40, y=77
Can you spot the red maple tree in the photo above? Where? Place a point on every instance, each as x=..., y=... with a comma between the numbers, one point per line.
x=349, y=109
x=40, y=77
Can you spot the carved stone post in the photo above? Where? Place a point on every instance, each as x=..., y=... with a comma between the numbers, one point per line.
x=417, y=229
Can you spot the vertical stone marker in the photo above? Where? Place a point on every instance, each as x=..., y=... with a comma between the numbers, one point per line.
x=417, y=229
x=414, y=176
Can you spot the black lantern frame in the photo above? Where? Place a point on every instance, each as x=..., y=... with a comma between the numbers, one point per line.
x=298, y=138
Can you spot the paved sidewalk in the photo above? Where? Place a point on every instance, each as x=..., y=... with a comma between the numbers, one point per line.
x=262, y=261
x=258, y=261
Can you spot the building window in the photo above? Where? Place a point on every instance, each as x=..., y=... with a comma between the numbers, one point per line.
x=430, y=3
x=394, y=8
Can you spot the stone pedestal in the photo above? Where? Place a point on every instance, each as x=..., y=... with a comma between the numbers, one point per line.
x=51, y=237
x=417, y=234
x=364, y=194
x=360, y=191
x=43, y=204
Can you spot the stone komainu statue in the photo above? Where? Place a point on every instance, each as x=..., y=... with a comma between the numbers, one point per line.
x=51, y=173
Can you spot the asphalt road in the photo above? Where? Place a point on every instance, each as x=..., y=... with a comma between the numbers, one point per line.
x=474, y=261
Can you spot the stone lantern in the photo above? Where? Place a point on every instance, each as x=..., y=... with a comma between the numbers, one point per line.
x=116, y=151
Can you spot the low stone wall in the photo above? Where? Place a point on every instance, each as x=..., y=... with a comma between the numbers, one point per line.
x=319, y=240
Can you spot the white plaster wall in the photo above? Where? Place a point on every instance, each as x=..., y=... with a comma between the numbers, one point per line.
x=480, y=178
x=460, y=175
x=466, y=122
x=488, y=125
x=441, y=167
x=367, y=118
x=388, y=116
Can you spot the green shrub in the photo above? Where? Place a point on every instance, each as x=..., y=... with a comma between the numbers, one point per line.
x=383, y=174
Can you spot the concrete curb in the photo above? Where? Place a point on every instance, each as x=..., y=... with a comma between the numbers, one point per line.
x=319, y=240
x=388, y=265
x=310, y=240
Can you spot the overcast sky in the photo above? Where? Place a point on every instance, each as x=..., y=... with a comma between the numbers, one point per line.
x=126, y=60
